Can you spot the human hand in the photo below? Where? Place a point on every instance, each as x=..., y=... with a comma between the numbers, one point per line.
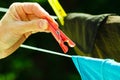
x=20, y=21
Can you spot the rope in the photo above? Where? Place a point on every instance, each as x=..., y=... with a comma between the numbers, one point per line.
x=3, y=9
x=39, y=49
x=44, y=50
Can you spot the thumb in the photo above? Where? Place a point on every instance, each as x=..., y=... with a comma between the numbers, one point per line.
x=38, y=25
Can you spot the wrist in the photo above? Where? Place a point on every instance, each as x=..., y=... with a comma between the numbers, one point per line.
x=3, y=45
x=0, y=24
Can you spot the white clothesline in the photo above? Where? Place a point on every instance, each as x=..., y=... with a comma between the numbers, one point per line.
x=39, y=49
x=3, y=9
x=44, y=50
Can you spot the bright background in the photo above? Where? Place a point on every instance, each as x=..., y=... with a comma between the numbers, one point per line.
x=27, y=64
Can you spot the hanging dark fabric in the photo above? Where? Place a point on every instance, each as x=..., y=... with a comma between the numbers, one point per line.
x=82, y=28
x=94, y=35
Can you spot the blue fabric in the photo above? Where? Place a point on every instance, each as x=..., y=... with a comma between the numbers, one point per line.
x=97, y=69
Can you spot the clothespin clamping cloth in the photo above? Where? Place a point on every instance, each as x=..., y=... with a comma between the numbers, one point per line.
x=56, y=32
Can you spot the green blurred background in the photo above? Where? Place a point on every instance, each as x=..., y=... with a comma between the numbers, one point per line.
x=26, y=64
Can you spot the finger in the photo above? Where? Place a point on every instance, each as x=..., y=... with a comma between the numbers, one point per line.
x=37, y=10
x=32, y=17
x=18, y=7
x=39, y=25
x=34, y=8
x=12, y=11
x=21, y=12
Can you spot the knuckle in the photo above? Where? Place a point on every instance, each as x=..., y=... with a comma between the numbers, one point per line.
x=36, y=3
x=14, y=4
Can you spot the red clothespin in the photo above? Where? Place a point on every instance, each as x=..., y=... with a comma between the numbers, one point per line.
x=56, y=32
x=60, y=36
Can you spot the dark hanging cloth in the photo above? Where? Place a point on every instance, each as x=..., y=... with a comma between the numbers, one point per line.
x=91, y=33
x=82, y=28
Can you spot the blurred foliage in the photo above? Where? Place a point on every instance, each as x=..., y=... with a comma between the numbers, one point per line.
x=26, y=64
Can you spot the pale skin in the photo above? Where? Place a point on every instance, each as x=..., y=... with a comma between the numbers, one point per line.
x=20, y=21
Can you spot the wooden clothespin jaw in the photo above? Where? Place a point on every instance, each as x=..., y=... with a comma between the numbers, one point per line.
x=59, y=11
x=60, y=37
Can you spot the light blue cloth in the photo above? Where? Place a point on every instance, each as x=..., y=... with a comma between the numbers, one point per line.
x=97, y=69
